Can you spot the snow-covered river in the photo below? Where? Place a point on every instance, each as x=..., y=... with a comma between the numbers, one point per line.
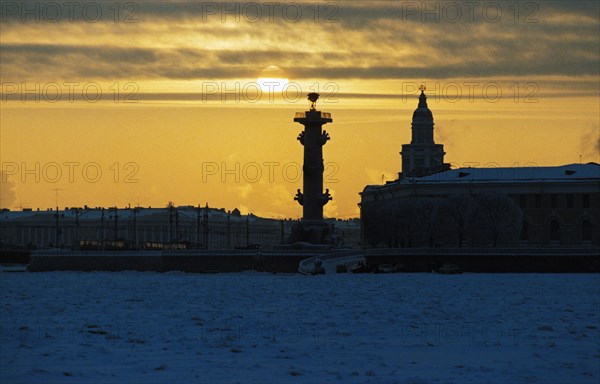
x=130, y=327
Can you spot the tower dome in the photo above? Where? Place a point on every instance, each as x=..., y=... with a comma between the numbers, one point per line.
x=422, y=111
x=422, y=156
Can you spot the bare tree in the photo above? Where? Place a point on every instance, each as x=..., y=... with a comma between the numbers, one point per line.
x=423, y=218
x=484, y=219
x=495, y=218
x=451, y=218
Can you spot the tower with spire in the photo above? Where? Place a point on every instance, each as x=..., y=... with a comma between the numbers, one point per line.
x=422, y=156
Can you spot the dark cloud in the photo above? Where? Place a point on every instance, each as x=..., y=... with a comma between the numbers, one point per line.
x=102, y=53
x=21, y=62
x=356, y=13
x=369, y=40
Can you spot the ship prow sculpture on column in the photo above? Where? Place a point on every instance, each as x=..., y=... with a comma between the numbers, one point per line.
x=312, y=228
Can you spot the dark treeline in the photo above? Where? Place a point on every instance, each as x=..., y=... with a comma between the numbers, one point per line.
x=489, y=219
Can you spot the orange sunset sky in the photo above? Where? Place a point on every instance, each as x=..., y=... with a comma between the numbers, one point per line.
x=142, y=103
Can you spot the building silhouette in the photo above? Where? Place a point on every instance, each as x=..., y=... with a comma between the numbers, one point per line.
x=422, y=156
x=432, y=205
x=145, y=227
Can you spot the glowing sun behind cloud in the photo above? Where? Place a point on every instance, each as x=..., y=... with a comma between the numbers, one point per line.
x=272, y=79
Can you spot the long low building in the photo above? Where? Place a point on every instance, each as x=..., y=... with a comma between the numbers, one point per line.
x=152, y=228
x=560, y=205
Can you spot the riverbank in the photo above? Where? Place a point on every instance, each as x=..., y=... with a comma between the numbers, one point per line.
x=533, y=260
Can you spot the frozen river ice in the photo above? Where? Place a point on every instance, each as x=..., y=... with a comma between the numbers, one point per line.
x=130, y=327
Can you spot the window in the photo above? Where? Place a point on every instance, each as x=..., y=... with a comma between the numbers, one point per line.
x=538, y=201
x=523, y=201
x=586, y=201
x=554, y=230
x=553, y=201
x=569, y=201
x=525, y=231
x=586, y=230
